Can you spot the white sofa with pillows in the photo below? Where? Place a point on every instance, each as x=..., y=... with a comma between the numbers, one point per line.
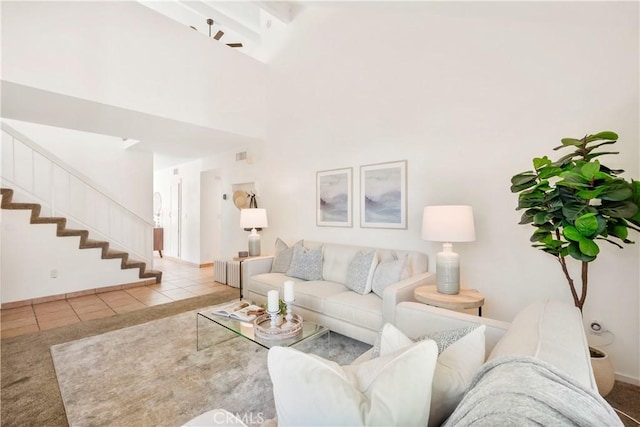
x=431, y=368
x=352, y=290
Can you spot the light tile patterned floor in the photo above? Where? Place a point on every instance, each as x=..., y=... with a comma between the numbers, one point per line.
x=179, y=281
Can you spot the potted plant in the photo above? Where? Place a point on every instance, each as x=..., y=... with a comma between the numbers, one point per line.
x=576, y=202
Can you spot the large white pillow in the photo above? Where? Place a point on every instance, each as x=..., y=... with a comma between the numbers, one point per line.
x=455, y=368
x=360, y=272
x=391, y=390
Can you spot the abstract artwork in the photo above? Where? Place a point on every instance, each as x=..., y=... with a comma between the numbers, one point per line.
x=334, y=198
x=383, y=195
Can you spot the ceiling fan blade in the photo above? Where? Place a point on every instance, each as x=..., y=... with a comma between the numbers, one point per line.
x=219, y=35
x=234, y=44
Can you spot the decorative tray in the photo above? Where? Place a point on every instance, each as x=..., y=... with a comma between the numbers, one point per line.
x=262, y=327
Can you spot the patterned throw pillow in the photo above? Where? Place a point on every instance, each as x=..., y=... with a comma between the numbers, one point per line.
x=360, y=272
x=283, y=257
x=445, y=338
x=306, y=263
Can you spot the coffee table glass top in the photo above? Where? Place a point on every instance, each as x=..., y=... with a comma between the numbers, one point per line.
x=245, y=329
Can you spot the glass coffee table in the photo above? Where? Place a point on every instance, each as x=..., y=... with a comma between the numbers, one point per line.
x=206, y=336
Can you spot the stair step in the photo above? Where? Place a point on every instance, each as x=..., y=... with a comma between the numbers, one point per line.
x=112, y=253
x=152, y=273
x=90, y=243
x=68, y=232
x=49, y=220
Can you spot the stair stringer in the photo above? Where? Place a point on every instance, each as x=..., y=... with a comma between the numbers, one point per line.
x=27, y=237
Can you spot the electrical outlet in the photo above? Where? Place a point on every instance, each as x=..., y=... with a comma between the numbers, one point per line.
x=54, y=274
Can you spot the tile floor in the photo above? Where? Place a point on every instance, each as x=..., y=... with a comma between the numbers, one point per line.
x=179, y=281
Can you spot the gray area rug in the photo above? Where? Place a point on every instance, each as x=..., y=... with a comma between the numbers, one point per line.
x=151, y=374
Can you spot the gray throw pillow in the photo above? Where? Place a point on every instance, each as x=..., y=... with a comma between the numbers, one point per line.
x=442, y=338
x=360, y=272
x=389, y=272
x=283, y=256
x=306, y=263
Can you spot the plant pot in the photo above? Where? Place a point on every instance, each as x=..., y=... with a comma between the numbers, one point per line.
x=602, y=370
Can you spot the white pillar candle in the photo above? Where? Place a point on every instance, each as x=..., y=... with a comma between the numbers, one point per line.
x=272, y=301
x=288, y=291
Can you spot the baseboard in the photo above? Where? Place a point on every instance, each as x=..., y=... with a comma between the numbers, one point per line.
x=192, y=264
x=628, y=380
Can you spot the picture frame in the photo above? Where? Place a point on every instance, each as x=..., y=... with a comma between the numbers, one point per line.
x=334, y=198
x=383, y=195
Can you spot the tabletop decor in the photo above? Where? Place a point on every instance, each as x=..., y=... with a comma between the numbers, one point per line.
x=272, y=325
x=576, y=201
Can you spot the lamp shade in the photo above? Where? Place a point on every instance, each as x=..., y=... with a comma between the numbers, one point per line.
x=448, y=224
x=253, y=218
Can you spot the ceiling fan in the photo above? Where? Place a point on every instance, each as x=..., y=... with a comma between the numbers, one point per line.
x=219, y=34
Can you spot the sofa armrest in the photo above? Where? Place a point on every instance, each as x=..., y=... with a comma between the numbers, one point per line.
x=253, y=266
x=402, y=291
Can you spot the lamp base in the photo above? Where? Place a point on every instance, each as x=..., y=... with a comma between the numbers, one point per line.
x=254, y=243
x=448, y=270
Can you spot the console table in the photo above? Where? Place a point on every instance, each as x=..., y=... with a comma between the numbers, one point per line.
x=467, y=298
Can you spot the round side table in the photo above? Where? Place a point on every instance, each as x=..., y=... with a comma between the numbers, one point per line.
x=467, y=298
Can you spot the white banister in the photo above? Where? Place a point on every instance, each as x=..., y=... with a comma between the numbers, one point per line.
x=39, y=176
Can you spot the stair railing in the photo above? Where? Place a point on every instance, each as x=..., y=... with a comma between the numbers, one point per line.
x=38, y=176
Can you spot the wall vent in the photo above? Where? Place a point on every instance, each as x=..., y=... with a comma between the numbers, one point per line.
x=176, y=171
x=241, y=156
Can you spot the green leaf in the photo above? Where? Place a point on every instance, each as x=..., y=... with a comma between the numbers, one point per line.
x=571, y=141
x=572, y=233
x=539, y=162
x=591, y=156
x=587, y=224
x=616, y=190
x=589, y=170
x=589, y=247
x=523, y=177
x=625, y=209
x=527, y=216
x=620, y=231
x=589, y=194
x=573, y=210
x=574, y=251
x=549, y=172
x=538, y=236
x=607, y=134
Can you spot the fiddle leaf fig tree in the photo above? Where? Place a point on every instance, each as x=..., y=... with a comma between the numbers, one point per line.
x=576, y=203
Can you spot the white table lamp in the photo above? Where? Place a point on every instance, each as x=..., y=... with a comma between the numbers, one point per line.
x=253, y=218
x=448, y=224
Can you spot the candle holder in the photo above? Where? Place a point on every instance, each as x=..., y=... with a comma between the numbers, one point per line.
x=289, y=317
x=274, y=319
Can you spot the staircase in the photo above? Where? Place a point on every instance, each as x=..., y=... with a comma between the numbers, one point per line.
x=85, y=241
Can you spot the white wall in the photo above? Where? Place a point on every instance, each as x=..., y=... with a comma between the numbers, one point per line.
x=75, y=268
x=468, y=93
x=124, y=175
x=126, y=55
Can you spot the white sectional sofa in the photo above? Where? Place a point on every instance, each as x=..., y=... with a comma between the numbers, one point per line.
x=533, y=371
x=328, y=300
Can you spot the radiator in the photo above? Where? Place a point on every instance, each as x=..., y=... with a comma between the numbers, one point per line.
x=233, y=273
x=220, y=271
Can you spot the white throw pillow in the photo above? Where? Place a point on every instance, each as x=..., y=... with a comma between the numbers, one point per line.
x=360, y=272
x=455, y=367
x=390, y=390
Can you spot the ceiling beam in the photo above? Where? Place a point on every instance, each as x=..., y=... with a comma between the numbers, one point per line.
x=208, y=11
x=280, y=10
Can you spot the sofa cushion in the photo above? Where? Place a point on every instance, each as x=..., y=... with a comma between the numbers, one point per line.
x=553, y=332
x=306, y=263
x=360, y=272
x=362, y=310
x=283, y=256
x=387, y=272
x=336, y=261
x=394, y=390
x=455, y=367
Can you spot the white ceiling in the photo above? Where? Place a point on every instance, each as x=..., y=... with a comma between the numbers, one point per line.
x=241, y=21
